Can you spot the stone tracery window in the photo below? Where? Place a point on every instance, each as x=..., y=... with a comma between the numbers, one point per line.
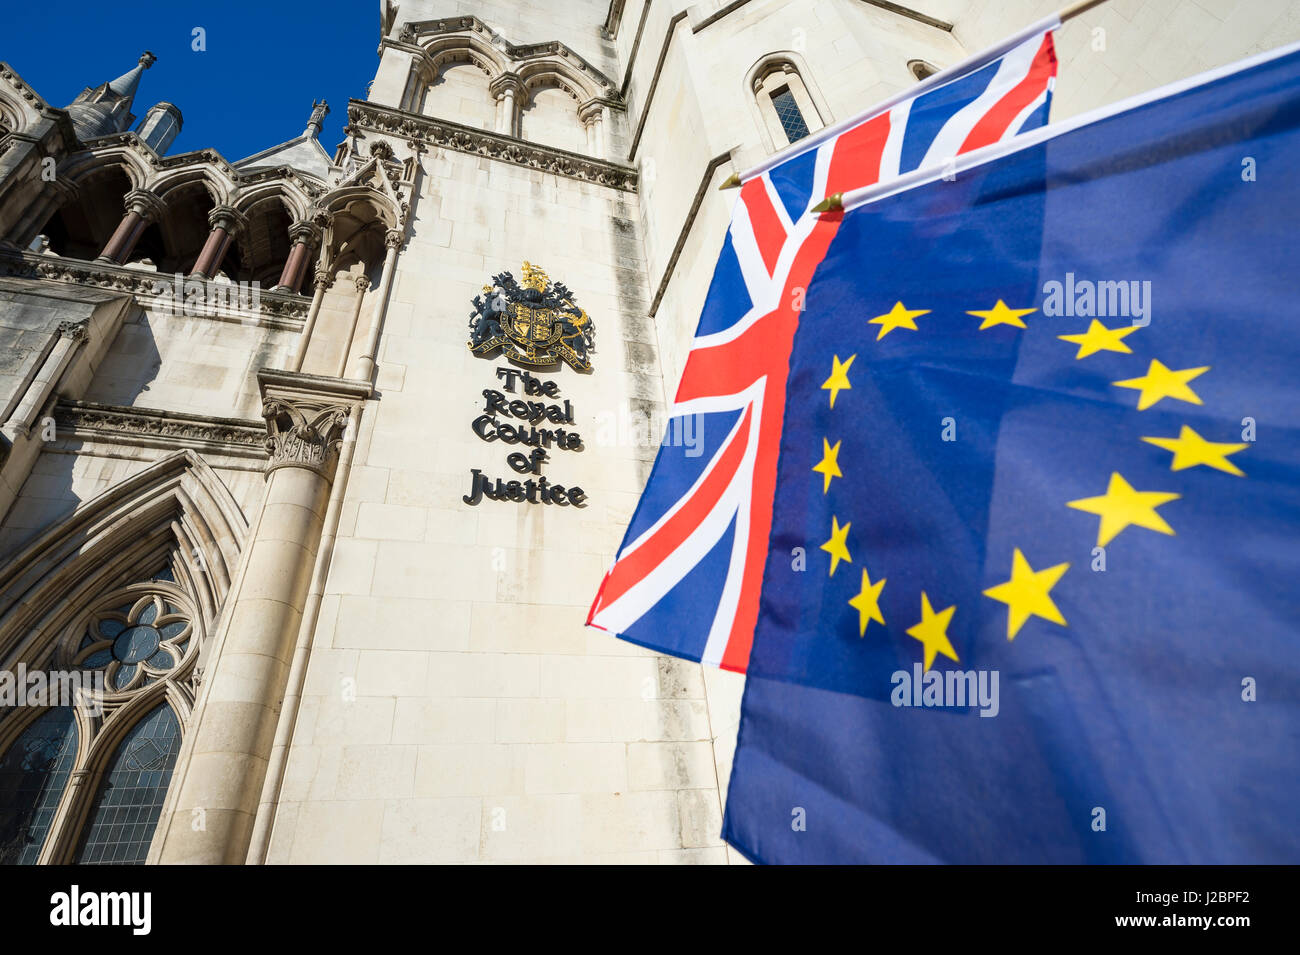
x=33, y=774
x=145, y=638
x=122, y=819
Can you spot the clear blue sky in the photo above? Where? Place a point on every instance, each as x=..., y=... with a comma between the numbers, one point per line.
x=252, y=87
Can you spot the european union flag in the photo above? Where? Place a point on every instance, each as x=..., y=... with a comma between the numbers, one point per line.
x=1034, y=580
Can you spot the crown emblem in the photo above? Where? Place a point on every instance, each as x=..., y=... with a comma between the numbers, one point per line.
x=534, y=323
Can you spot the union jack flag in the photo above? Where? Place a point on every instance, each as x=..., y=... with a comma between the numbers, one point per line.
x=688, y=576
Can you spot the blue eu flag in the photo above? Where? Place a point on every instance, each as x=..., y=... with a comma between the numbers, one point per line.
x=1034, y=580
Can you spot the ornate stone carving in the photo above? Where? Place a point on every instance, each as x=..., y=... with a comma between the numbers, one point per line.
x=274, y=309
x=145, y=426
x=303, y=433
x=228, y=218
x=506, y=81
x=307, y=232
x=145, y=204
x=73, y=330
x=412, y=33
x=479, y=142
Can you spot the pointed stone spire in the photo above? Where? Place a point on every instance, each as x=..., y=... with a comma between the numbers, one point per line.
x=126, y=84
x=318, y=113
x=106, y=109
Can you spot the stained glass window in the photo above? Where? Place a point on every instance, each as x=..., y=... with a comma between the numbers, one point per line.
x=33, y=772
x=787, y=110
x=130, y=799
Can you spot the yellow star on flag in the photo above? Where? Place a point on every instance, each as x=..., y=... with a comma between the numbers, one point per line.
x=1100, y=338
x=999, y=314
x=932, y=631
x=829, y=465
x=1121, y=506
x=839, y=379
x=867, y=603
x=897, y=317
x=1161, y=382
x=837, y=546
x=1028, y=593
x=1190, y=449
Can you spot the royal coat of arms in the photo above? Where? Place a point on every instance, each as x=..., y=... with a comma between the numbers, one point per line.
x=534, y=323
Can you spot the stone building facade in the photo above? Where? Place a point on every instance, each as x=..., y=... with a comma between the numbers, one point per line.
x=239, y=422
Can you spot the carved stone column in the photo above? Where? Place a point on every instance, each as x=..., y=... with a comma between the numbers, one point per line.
x=305, y=236
x=363, y=286
x=142, y=208
x=509, y=92
x=70, y=335
x=592, y=115
x=226, y=223
x=225, y=758
x=364, y=368
x=322, y=281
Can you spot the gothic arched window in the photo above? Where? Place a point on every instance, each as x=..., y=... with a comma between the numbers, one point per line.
x=788, y=107
x=137, y=645
x=125, y=813
x=34, y=771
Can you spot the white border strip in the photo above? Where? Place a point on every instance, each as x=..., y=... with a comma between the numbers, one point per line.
x=1014, y=144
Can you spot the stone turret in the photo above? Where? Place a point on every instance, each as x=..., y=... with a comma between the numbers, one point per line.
x=106, y=109
x=160, y=127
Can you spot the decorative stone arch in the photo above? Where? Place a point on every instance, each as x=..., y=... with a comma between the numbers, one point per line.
x=13, y=118
x=177, y=504
x=80, y=167
x=295, y=200
x=768, y=82
x=441, y=53
x=363, y=225
x=20, y=105
x=98, y=188
x=557, y=72
x=220, y=188
x=175, y=519
x=579, y=126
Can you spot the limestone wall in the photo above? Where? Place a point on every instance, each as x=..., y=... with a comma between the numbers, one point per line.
x=456, y=708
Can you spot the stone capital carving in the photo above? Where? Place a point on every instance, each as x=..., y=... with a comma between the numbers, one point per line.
x=306, y=418
x=322, y=279
x=306, y=232
x=362, y=283
x=591, y=111
x=303, y=433
x=76, y=331
x=507, y=82
x=145, y=204
x=228, y=218
x=393, y=239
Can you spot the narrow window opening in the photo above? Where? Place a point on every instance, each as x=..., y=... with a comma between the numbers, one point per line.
x=787, y=110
